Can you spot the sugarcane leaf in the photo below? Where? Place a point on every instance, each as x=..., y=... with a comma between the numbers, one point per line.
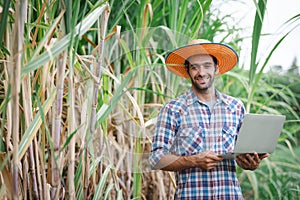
x=63, y=44
x=35, y=126
x=101, y=185
x=105, y=110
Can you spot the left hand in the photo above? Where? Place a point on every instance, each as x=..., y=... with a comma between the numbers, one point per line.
x=250, y=161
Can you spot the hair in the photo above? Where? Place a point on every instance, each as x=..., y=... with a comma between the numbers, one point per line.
x=187, y=62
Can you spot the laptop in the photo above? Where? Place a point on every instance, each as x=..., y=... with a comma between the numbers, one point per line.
x=258, y=133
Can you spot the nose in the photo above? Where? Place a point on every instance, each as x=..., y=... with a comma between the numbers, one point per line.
x=201, y=70
x=198, y=68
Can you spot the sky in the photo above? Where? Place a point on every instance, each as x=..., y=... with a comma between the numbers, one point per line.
x=277, y=13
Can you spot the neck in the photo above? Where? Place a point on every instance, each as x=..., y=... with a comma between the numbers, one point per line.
x=205, y=95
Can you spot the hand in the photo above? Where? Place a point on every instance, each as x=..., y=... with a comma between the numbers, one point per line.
x=250, y=161
x=206, y=160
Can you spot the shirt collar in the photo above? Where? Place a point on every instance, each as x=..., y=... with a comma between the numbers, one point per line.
x=192, y=98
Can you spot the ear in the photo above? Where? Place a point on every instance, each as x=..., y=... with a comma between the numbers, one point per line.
x=216, y=70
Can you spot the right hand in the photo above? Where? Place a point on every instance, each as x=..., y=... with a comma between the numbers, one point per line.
x=206, y=160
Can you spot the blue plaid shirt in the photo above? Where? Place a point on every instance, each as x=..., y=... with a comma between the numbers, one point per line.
x=187, y=126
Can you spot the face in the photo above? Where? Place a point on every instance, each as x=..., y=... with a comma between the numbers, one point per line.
x=202, y=70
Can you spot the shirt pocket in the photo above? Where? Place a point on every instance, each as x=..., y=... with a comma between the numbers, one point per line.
x=189, y=141
x=228, y=136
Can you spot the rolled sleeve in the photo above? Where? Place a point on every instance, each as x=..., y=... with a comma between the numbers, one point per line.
x=164, y=136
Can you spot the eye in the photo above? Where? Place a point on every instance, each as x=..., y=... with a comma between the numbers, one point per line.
x=208, y=65
x=195, y=67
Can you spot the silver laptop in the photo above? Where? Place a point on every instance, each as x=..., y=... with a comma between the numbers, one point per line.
x=258, y=133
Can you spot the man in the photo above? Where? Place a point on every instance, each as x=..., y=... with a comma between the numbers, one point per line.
x=194, y=129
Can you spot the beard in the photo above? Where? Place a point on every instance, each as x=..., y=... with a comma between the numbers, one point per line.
x=202, y=83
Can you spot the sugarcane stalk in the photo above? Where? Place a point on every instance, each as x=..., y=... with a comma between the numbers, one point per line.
x=61, y=63
x=71, y=129
x=18, y=31
x=27, y=105
x=97, y=71
x=42, y=183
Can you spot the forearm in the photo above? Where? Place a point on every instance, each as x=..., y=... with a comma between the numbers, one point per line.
x=175, y=163
x=204, y=160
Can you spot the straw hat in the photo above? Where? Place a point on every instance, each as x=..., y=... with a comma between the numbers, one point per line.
x=226, y=56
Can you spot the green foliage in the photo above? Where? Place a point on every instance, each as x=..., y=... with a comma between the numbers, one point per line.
x=276, y=178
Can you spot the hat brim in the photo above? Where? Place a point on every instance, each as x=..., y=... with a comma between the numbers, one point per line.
x=226, y=56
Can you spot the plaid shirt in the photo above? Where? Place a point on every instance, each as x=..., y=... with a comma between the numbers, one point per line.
x=187, y=126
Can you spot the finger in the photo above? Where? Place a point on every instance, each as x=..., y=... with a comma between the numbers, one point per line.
x=254, y=161
x=211, y=155
x=239, y=162
x=251, y=158
x=211, y=165
x=255, y=158
x=264, y=156
x=239, y=159
x=204, y=154
x=246, y=159
x=215, y=157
